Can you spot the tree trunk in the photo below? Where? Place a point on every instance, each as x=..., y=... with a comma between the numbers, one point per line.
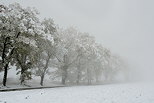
x=5, y=74
x=22, y=63
x=42, y=79
x=78, y=78
x=7, y=64
x=22, y=78
x=64, y=76
x=45, y=68
x=6, y=67
x=97, y=75
x=88, y=76
x=78, y=74
x=64, y=80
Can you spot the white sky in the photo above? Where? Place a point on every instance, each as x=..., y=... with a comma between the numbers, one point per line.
x=126, y=27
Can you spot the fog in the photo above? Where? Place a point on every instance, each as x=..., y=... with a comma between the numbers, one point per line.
x=123, y=26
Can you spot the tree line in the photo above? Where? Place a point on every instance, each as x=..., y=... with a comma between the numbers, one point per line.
x=40, y=48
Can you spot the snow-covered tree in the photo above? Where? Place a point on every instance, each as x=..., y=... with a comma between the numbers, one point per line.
x=46, y=50
x=17, y=25
x=66, y=53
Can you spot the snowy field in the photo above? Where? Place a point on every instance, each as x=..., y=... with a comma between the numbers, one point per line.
x=117, y=93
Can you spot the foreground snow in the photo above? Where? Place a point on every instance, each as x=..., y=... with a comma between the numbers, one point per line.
x=117, y=93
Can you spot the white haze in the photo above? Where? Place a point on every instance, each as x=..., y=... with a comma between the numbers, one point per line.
x=126, y=27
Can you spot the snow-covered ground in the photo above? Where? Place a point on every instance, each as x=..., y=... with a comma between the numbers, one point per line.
x=116, y=93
